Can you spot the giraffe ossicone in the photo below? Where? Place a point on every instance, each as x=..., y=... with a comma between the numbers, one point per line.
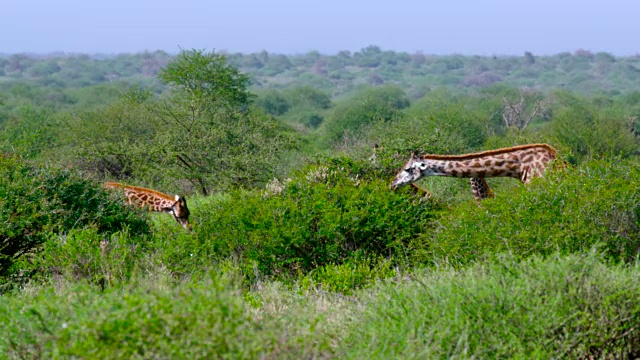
x=155, y=201
x=520, y=162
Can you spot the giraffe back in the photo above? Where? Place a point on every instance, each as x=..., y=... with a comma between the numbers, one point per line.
x=155, y=201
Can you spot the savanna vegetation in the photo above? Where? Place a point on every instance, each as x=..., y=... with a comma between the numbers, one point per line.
x=298, y=247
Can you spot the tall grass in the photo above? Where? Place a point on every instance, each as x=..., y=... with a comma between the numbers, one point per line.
x=573, y=307
x=569, y=307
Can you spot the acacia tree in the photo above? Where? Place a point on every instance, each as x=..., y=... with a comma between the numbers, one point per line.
x=206, y=81
x=213, y=137
x=518, y=114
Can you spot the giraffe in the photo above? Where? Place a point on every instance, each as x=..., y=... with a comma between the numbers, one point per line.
x=521, y=162
x=155, y=201
x=418, y=190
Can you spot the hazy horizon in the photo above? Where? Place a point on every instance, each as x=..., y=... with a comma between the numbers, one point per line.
x=495, y=27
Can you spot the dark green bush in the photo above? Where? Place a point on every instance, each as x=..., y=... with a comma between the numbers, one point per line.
x=595, y=204
x=326, y=214
x=273, y=102
x=364, y=108
x=592, y=130
x=37, y=201
x=440, y=114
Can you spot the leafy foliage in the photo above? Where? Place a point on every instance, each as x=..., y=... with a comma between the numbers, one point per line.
x=36, y=202
x=589, y=130
x=206, y=80
x=367, y=107
x=594, y=205
x=211, y=137
x=325, y=214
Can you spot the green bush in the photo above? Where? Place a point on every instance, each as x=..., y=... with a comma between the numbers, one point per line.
x=595, y=204
x=441, y=114
x=37, y=201
x=90, y=255
x=364, y=108
x=346, y=277
x=573, y=307
x=592, y=130
x=327, y=213
x=273, y=102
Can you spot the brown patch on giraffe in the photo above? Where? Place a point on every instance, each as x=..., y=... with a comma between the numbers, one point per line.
x=527, y=159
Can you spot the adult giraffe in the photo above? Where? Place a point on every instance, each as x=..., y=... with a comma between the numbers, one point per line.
x=521, y=162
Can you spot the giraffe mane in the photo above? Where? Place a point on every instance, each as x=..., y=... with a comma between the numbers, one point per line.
x=488, y=152
x=141, y=189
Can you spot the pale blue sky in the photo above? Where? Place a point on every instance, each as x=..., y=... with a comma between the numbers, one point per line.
x=490, y=27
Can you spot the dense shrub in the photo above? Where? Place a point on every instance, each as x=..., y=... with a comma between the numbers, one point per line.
x=326, y=214
x=89, y=255
x=365, y=107
x=595, y=204
x=273, y=102
x=37, y=201
x=590, y=129
x=440, y=113
x=355, y=273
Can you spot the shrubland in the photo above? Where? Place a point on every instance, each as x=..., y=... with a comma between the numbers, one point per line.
x=40, y=203
x=298, y=248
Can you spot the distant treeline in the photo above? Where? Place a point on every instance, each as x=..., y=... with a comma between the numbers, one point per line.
x=417, y=73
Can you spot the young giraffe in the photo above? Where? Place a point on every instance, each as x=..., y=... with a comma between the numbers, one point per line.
x=155, y=201
x=521, y=162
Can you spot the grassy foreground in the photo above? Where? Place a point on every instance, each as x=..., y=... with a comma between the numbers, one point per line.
x=563, y=307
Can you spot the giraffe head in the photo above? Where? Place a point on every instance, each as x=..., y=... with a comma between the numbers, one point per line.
x=412, y=170
x=180, y=211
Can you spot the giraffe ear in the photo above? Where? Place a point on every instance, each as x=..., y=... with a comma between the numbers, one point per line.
x=177, y=197
x=422, y=166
